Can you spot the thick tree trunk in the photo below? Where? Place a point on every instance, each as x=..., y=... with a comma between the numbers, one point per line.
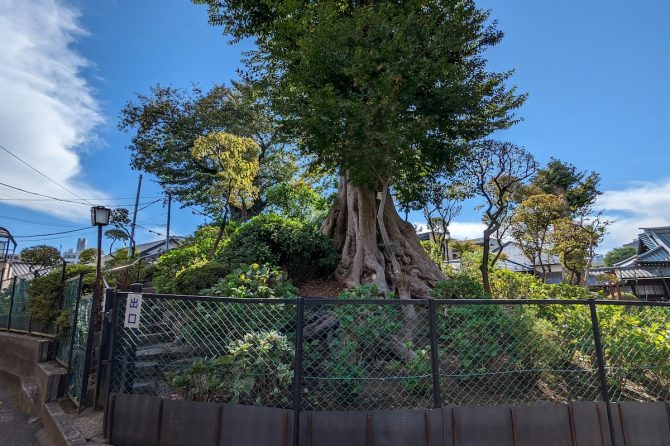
x=366, y=248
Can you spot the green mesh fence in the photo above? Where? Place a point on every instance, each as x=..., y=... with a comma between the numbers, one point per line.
x=77, y=370
x=5, y=301
x=369, y=355
x=71, y=294
x=20, y=320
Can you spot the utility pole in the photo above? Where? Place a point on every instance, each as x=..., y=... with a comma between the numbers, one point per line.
x=167, y=235
x=131, y=245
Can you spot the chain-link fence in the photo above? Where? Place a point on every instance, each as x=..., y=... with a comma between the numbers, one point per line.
x=327, y=354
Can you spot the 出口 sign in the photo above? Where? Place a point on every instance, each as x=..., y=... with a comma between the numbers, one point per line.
x=133, y=311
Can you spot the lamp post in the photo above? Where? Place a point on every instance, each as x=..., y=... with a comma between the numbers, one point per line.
x=99, y=217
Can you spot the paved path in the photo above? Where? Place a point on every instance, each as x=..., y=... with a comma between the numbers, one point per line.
x=14, y=427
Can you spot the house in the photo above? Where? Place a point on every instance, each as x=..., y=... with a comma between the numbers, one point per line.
x=647, y=273
x=152, y=250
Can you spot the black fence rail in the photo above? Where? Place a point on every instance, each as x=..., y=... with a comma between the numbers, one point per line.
x=361, y=355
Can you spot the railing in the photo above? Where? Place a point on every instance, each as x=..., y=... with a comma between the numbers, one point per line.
x=353, y=355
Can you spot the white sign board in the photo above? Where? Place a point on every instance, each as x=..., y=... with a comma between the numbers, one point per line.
x=133, y=311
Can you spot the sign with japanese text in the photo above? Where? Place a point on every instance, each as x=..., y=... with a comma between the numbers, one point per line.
x=133, y=311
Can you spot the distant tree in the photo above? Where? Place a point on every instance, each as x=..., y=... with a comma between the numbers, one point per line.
x=532, y=225
x=574, y=243
x=41, y=256
x=442, y=202
x=120, y=231
x=617, y=255
x=496, y=170
x=88, y=255
x=578, y=190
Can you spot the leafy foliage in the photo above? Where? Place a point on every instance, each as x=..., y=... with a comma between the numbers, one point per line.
x=193, y=251
x=298, y=200
x=256, y=281
x=295, y=246
x=41, y=256
x=459, y=287
x=46, y=292
x=195, y=278
x=88, y=255
x=167, y=123
x=235, y=161
x=256, y=370
x=620, y=254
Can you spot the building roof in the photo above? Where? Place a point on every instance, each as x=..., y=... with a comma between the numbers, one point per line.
x=653, y=248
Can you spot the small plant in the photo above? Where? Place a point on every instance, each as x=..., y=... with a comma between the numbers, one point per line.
x=256, y=370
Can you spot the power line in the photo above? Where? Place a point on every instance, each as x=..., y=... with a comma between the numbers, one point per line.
x=149, y=204
x=43, y=174
x=53, y=233
x=42, y=195
x=150, y=230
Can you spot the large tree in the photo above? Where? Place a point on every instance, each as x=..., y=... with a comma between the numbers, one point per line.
x=376, y=90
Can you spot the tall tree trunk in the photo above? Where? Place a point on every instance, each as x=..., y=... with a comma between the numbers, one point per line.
x=358, y=228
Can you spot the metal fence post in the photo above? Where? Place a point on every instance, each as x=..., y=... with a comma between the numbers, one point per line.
x=297, y=372
x=602, y=374
x=434, y=354
x=11, y=304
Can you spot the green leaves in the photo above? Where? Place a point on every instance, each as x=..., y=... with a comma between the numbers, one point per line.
x=256, y=370
x=376, y=89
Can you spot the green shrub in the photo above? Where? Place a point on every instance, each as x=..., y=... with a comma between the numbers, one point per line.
x=195, y=278
x=297, y=247
x=459, y=287
x=257, y=281
x=216, y=324
x=256, y=370
x=45, y=294
x=195, y=250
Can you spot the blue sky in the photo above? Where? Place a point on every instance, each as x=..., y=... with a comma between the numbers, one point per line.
x=595, y=73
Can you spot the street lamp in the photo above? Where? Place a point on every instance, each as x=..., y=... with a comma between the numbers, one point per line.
x=99, y=217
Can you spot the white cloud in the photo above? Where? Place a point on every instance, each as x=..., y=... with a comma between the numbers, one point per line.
x=640, y=205
x=458, y=230
x=47, y=108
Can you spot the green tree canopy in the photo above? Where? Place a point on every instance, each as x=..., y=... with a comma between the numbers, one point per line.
x=376, y=91
x=41, y=256
x=168, y=121
x=620, y=254
x=88, y=255
x=579, y=190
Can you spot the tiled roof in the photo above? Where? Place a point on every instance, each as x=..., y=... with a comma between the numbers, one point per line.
x=642, y=272
x=659, y=254
x=648, y=241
